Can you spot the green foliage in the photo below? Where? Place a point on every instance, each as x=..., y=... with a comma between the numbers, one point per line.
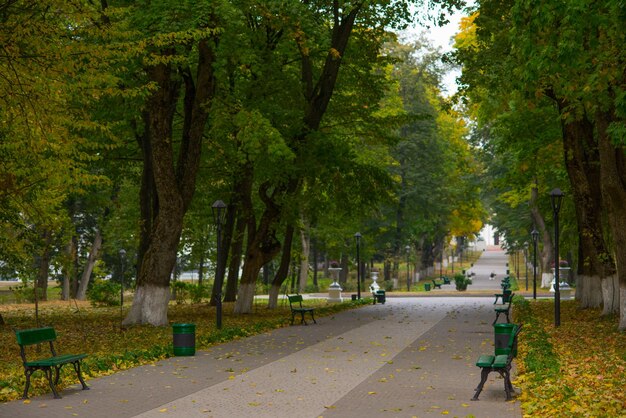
x=194, y=292
x=24, y=293
x=104, y=293
x=461, y=281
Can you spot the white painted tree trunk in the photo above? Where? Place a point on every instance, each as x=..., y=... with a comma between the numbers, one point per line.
x=245, y=298
x=589, y=291
x=272, y=303
x=546, y=280
x=149, y=306
x=611, y=295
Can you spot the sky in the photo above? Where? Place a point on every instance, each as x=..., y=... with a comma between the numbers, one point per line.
x=442, y=37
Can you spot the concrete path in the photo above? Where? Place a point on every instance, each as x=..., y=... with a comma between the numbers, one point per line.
x=412, y=357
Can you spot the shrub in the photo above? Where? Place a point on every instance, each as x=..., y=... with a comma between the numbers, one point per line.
x=461, y=281
x=25, y=294
x=104, y=293
x=189, y=291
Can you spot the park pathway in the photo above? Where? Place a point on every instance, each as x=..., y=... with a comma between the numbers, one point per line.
x=411, y=357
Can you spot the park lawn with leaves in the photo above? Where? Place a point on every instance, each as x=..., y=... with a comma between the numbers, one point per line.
x=575, y=370
x=82, y=328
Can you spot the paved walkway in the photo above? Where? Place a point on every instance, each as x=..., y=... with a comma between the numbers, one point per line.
x=412, y=357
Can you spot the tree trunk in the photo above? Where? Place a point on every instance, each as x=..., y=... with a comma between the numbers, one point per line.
x=315, y=265
x=274, y=292
x=613, y=175
x=283, y=269
x=343, y=263
x=304, y=258
x=582, y=161
x=232, y=281
x=168, y=183
x=68, y=271
x=227, y=235
x=43, y=267
x=546, y=256
x=81, y=294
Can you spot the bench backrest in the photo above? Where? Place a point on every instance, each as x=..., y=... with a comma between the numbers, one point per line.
x=512, y=347
x=35, y=336
x=295, y=299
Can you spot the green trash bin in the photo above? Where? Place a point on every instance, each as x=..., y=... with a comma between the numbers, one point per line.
x=427, y=287
x=184, y=339
x=502, y=336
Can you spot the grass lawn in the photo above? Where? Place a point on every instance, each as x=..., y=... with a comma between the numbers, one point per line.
x=575, y=370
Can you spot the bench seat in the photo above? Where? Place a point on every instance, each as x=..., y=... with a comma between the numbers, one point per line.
x=55, y=361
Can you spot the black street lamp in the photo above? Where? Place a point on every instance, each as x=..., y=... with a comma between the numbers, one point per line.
x=408, y=273
x=219, y=215
x=556, y=196
x=357, y=237
x=122, y=253
x=535, y=235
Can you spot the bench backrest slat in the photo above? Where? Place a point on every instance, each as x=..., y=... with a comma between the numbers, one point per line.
x=295, y=299
x=35, y=336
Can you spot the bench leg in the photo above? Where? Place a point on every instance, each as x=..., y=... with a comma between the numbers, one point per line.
x=293, y=317
x=484, y=373
x=56, y=375
x=302, y=320
x=313, y=317
x=27, y=373
x=76, y=365
x=508, y=386
x=496, y=320
x=48, y=372
x=508, y=321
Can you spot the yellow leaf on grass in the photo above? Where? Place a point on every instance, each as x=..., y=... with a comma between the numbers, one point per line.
x=163, y=410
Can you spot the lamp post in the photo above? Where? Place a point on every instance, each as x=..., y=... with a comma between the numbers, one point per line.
x=357, y=237
x=122, y=253
x=556, y=196
x=535, y=234
x=219, y=214
x=408, y=272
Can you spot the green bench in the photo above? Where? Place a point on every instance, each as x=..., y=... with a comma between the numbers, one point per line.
x=504, y=310
x=500, y=363
x=446, y=279
x=505, y=296
x=295, y=304
x=28, y=337
x=435, y=284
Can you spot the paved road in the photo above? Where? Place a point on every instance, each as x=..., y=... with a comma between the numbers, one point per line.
x=412, y=357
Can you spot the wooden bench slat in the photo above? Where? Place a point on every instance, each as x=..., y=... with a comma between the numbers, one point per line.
x=485, y=360
x=56, y=361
